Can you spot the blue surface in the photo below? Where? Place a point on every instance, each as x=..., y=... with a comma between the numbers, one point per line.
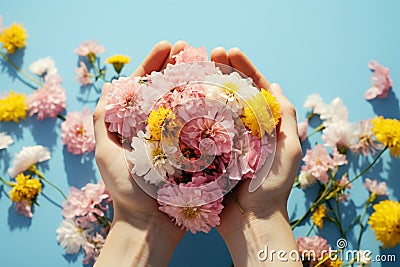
x=307, y=46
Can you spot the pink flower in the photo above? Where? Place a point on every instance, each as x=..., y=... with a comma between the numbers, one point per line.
x=259, y=150
x=77, y=132
x=312, y=248
x=123, y=110
x=191, y=54
x=82, y=74
x=24, y=207
x=302, y=130
x=373, y=187
x=363, y=141
x=191, y=208
x=49, y=100
x=380, y=80
x=86, y=202
x=344, y=182
x=88, y=47
x=319, y=162
x=315, y=102
x=338, y=134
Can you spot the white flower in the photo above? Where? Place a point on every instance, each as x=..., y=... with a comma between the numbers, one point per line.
x=336, y=111
x=338, y=134
x=28, y=156
x=5, y=140
x=306, y=180
x=42, y=66
x=314, y=101
x=70, y=236
x=150, y=160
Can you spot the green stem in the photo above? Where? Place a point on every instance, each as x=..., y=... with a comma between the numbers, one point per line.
x=61, y=117
x=27, y=75
x=96, y=69
x=316, y=130
x=362, y=226
x=36, y=171
x=6, y=182
x=311, y=228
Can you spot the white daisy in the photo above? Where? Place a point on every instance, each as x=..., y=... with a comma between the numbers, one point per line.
x=71, y=236
x=42, y=66
x=28, y=156
x=5, y=140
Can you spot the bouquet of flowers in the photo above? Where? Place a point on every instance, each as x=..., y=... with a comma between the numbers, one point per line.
x=192, y=133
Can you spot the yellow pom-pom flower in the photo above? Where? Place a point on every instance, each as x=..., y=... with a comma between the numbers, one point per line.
x=13, y=37
x=118, y=62
x=319, y=215
x=25, y=188
x=387, y=132
x=155, y=122
x=385, y=221
x=13, y=107
x=262, y=113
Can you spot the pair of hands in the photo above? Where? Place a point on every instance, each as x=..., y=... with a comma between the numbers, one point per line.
x=265, y=209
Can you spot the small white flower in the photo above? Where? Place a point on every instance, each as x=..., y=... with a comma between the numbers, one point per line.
x=314, y=101
x=306, y=180
x=338, y=134
x=42, y=66
x=336, y=111
x=28, y=156
x=5, y=140
x=70, y=236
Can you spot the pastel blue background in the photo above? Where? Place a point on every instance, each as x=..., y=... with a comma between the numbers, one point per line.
x=307, y=46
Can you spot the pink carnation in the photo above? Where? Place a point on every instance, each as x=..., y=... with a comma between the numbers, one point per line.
x=24, y=208
x=259, y=150
x=374, y=187
x=86, y=202
x=363, y=141
x=190, y=207
x=82, y=74
x=77, y=132
x=319, y=162
x=312, y=248
x=191, y=54
x=49, y=100
x=89, y=47
x=380, y=80
x=123, y=110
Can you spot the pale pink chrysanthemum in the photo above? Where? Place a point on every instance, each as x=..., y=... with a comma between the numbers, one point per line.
x=5, y=140
x=123, y=110
x=71, y=236
x=314, y=102
x=88, y=47
x=86, y=202
x=191, y=54
x=28, y=156
x=335, y=111
x=344, y=183
x=77, y=132
x=380, y=80
x=42, y=66
x=306, y=179
x=259, y=150
x=24, y=207
x=49, y=100
x=93, y=249
x=191, y=208
x=363, y=140
x=338, y=134
x=373, y=186
x=302, y=130
x=319, y=162
x=83, y=75
x=312, y=248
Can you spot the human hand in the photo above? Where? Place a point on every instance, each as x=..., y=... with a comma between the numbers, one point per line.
x=265, y=220
x=138, y=224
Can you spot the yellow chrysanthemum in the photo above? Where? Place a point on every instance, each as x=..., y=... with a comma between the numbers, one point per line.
x=118, y=62
x=385, y=221
x=331, y=263
x=13, y=37
x=25, y=188
x=155, y=122
x=13, y=107
x=262, y=113
x=319, y=215
x=387, y=132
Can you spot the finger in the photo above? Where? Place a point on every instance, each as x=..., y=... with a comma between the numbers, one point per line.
x=154, y=60
x=176, y=48
x=219, y=55
x=239, y=61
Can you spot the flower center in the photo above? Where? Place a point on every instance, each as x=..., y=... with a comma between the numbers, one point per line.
x=190, y=212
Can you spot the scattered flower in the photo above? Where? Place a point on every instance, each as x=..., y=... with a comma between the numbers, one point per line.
x=385, y=221
x=43, y=66
x=13, y=107
x=25, y=188
x=71, y=236
x=24, y=207
x=90, y=49
x=77, y=132
x=302, y=130
x=312, y=248
x=83, y=75
x=387, y=132
x=363, y=139
x=191, y=54
x=319, y=215
x=5, y=140
x=28, y=156
x=13, y=38
x=374, y=187
x=118, y=62
x=380, y=80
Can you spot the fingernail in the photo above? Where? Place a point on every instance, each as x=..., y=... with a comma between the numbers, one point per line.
x=276, y=88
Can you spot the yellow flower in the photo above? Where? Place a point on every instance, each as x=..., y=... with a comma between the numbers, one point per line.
x=385, y=221
x=25, y=188
x=155, y=122
x=319, y=215
x=13, y=37
x=387, y=132
x=118, y=62
x=13, y=107
x=327, y=262
x=262, y=113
